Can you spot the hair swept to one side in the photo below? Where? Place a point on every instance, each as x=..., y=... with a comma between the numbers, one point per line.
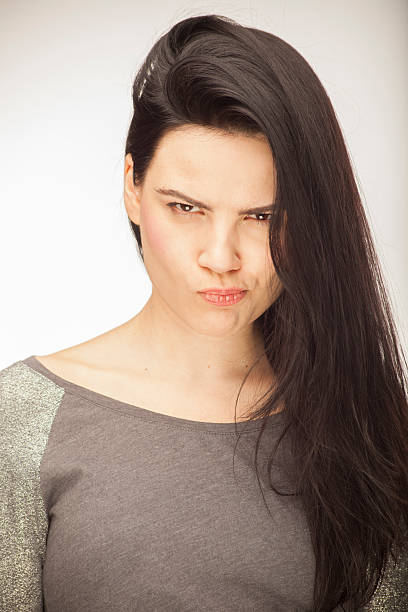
x=330, y=336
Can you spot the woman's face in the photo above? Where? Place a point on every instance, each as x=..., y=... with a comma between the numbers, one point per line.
x=188, y=248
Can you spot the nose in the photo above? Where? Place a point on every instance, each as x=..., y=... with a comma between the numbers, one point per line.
x=220, y=252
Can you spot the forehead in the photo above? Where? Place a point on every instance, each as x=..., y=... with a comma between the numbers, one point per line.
x=214, y=162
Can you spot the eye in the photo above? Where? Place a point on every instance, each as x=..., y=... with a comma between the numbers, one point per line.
x=174, y=204
x=262, y=214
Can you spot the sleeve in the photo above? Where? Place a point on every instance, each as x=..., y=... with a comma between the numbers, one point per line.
x=391, y=594
x=26, y=415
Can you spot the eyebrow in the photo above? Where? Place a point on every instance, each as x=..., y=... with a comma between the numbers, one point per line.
x=190, y=200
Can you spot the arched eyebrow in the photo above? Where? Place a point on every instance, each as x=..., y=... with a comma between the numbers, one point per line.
x=177, y=194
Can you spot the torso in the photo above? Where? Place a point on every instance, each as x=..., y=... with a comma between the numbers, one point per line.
x=100, y=364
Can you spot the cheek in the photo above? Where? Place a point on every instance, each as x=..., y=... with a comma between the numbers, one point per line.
x=154, y=233
x=159, y=240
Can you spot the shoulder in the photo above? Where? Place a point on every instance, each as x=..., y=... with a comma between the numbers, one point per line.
x=24, y=392
x=28, y=403
x=107, y=353
x=102, y=352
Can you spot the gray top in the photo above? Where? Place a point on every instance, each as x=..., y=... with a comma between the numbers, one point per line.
x=109, y=506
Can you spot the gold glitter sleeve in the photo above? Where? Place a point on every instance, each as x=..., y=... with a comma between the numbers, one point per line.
x=28, y=404
x=391, y=594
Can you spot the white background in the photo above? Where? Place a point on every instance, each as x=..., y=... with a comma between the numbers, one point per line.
x=69, y=268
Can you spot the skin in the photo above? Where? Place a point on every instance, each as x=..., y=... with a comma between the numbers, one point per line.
x=178, y=343
x=184, y=254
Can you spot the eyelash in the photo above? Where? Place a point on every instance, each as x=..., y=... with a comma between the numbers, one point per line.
x=174, y=204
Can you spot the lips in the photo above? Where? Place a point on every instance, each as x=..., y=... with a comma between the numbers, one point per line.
x=228, y=299
x=229, y=291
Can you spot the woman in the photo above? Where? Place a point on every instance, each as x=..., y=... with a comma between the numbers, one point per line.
x=124, y=486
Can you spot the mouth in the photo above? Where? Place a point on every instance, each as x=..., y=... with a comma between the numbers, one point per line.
x=219, y=291
x=223, y=298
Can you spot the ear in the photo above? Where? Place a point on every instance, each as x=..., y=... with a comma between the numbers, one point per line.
x=131, y=193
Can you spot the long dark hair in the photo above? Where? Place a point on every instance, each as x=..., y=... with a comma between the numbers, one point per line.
x=329, y=336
